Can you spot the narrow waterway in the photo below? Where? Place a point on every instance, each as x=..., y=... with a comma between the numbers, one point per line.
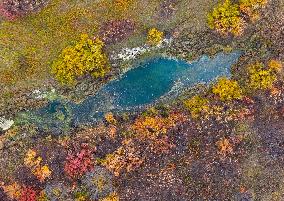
x=140, y=86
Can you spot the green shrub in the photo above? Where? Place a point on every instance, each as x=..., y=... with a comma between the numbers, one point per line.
x=227, y=90
x=84, y=57
x=226, y=18
x=196, y=105
x=260, y=77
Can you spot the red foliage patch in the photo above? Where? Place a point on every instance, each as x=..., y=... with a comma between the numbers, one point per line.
x=116, y=30
x=6, y=13
x=79, y=162
x=28, y=194
x=12, y=9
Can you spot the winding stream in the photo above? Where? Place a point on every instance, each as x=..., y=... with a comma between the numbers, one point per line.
x=140, y=86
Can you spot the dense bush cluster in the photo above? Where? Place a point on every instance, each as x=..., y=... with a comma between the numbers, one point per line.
x=111, y=197
x=79, y=163
x=224, y=146
x=90, y=182
x=116, y=30
x=13, y=190
x=12, y=9
x=96, y=185
x=56, y=191
x=261, y=77
x=125, y=158
x=152, y=126
x=86, y=56
x=227, y=90
x=226, y=18
x=110, y=118
x=196, y=105
x=28, y=194
x=275, y=65
x=17, y=192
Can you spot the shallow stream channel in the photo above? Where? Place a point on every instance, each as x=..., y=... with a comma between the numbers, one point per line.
x=143, y=85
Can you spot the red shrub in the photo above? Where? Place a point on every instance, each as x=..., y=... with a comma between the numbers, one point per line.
x=11, y=9
x=6, y=13
x=28, y=194
x=79, y=162
x=116, y=30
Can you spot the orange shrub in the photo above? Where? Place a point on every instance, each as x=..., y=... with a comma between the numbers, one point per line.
x=224, y=146
x=161, y=145
x=151, y=127
x=275, y=65
x=124, y=158
x=34, y=163
x=111, y=197
x=110, y=118
x=13, y=191
x=252, y=7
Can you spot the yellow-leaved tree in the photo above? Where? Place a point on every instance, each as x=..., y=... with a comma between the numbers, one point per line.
x=261, y=77
x=196, y=105
x=227, y=89
x=226, y=18
x=155, y=36
x=86, y=56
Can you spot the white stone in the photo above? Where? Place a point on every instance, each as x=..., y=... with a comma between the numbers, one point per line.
x=131, y=53
x=39, y=94
x=5, y=124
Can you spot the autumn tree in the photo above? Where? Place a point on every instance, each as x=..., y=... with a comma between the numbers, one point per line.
x=261, y=77
x=86, y=56
x=226, y=18
x=227, y=89
x=196, y=105
x=155, y=36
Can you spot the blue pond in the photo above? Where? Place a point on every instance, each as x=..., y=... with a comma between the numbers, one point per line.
x=140, y=86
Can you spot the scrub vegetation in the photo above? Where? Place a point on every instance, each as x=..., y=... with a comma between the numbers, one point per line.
x=221, y=140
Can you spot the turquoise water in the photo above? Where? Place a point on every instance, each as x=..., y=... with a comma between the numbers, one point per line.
x=140, y=86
